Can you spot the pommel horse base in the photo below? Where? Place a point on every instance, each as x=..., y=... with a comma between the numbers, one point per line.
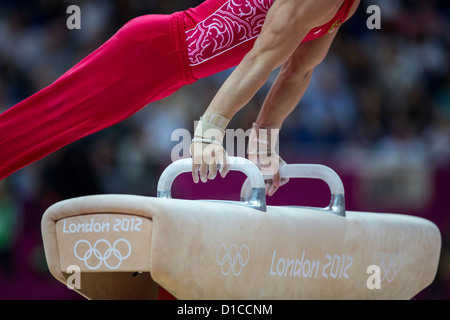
x=126, y=246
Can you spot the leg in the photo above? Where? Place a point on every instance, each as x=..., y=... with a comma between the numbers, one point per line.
x=136, y=66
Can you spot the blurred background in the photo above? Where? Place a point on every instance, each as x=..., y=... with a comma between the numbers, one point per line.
x=377, y=111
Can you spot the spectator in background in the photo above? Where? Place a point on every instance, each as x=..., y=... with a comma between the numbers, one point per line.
x=9, y=218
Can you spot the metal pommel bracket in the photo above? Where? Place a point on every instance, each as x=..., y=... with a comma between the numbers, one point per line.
x=257, y=198
x=314, y=171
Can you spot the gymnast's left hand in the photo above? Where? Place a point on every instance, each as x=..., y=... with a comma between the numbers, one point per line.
x=262, y=151
x=207, y=160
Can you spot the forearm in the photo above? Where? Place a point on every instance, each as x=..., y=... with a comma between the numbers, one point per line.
x=293, y=80
x=283, y=30
x=284, y=96
x=240, y=87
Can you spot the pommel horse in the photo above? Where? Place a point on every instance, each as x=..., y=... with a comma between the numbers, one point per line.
x=125, y=246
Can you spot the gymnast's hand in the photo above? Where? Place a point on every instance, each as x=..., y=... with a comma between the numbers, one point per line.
x=207, y=151
x=207, y=159
x=262, y=152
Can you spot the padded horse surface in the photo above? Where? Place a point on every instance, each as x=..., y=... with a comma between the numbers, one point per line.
x=126, y=246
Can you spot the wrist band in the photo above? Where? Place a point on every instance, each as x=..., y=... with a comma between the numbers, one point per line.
x=211, y=127
x=256, y=125
x=207, y=141
x=216, y=120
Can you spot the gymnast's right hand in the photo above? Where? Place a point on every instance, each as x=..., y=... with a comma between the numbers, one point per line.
x=208, y=154
x=207, y=160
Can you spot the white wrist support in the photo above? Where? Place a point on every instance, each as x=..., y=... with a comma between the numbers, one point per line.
x=210, y=128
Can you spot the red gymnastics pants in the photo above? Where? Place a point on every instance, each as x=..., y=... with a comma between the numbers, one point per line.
x=148, y=59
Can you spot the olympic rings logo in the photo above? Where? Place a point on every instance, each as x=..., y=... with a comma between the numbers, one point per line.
x=111, y=255
x=232, y=259
x=389, y=263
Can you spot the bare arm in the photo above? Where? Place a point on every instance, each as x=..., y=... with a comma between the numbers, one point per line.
x=288, y=89
x=283, y=97
x=294, y=78
x=292, y=81
x=286, y=25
